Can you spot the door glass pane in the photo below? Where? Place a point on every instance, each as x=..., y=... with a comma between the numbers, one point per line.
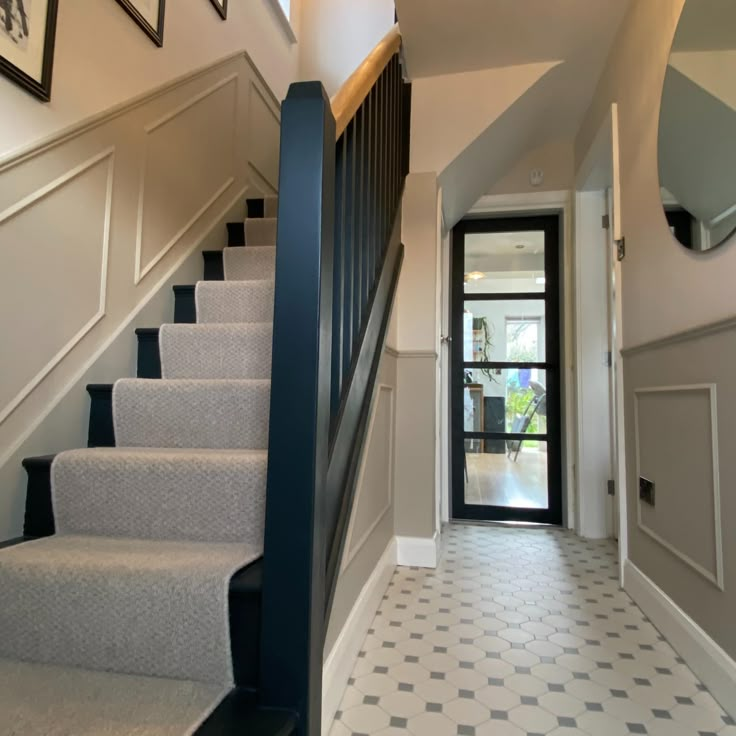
x=506, y=472
x=512, y=401
x=495, y=476
x=504, y=331
x=499, y=263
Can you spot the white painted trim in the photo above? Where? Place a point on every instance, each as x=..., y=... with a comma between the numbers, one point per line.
x=540, y=203
x=25, y=152
x=604, y=152
x=393, y=352
x=191, y=102
x=125, y=325
x=418, y=551
x=510, y=203
x=109, y=155
x=693, y=333
x=142, y=271
x=350, y=549
x=340, y=661
x=616, y=183
x=593, y=455
x=711, y=390
x=705, y=657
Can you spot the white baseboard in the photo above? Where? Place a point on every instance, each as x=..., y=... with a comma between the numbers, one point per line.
x=715, y=668
x=340, y=662
x=418, y=551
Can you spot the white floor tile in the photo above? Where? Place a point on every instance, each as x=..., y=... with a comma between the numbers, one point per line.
x=520, y=632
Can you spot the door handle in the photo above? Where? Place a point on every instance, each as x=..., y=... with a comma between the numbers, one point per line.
x=447, y=339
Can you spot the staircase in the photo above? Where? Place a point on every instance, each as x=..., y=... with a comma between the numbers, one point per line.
x=176, y=577
x=132, y=606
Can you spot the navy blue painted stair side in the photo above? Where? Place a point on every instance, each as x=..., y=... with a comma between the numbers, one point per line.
x=213, y=269
x=185, y=309
x=235, y=234
x=101, y=432
x=149, y=359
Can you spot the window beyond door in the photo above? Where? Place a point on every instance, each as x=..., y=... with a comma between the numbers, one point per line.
x=505, y=370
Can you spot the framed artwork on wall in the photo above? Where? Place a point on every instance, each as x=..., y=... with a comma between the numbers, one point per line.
x=27, y=34
x=148, y=14
x=221, y=7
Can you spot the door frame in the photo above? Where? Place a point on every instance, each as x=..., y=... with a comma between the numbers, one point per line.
x=598, y=171
x=552, y=222
x=557, y=202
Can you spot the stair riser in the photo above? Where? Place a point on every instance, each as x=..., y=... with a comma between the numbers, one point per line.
x=185, y=309
x=235, y=234
x=213, y=270
x=149, y=358
x=39, y=517
x=101, y=431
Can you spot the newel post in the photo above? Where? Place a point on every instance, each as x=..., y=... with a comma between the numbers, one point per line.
x=293, y=625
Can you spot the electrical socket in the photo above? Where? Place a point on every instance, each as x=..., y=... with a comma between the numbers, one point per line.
x=646, y=490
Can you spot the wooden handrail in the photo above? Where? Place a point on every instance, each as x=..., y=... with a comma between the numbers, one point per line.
x=350, y=96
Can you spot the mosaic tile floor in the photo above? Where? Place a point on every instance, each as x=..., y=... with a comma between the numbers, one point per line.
x=520, y=632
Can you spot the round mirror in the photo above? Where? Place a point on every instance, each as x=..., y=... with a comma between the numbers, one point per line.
x=697, y=126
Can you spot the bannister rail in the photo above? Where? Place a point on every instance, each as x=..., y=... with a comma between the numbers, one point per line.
x=351, y=95
x=338, y=260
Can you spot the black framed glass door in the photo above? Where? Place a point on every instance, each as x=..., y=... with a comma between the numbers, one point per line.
x=505, y=373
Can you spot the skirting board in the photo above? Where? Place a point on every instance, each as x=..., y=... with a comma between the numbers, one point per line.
x=340, y=662
x=418, y=551
x=702, y=654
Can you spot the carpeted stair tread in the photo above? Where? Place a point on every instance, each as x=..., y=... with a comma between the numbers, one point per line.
x=49, y=700
x=186, y=495
x=140, y=607
x=219, y=302
x=250, y=263
x=207, y=414
x=216, y=350
x=260, y=231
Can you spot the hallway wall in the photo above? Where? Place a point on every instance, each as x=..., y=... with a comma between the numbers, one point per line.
x=102, y=58
x=94, y=224
x=678, y=333
x=417, y=339
x=336, y=36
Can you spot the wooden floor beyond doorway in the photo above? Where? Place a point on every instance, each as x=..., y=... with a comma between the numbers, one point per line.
x=496, y=480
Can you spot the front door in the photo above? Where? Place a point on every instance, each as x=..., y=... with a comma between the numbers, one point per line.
x=506, y=448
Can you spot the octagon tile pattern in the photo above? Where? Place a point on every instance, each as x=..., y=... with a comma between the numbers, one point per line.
x=520, y=632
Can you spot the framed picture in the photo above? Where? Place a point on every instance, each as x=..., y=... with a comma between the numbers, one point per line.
x=148, y=14
x=221, y=7
x=27, y=33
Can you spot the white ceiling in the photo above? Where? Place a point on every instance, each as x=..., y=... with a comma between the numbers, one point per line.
x=504, y=244
x=443, y=37
x=706, y=25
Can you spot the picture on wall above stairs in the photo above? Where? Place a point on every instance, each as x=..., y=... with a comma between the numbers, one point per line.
x=132, y=605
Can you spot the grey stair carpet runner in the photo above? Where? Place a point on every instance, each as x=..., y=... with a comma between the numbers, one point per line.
x=119, y=623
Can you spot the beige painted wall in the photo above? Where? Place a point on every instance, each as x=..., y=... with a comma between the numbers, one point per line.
x=152, y=185
x=335, y=36
x=103, y=59
x=417, y=342
x=372, y=522
x=450, y=111
x=666, y=290
x=556, y=159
